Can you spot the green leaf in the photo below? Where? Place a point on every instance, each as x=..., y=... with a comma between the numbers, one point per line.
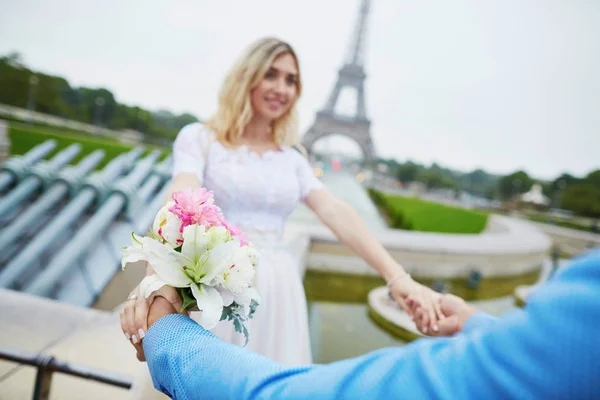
x=253, y=307
x=238, y=325
x=188, y=299
x=245, y=335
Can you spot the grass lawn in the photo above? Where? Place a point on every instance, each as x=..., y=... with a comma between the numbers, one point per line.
x=23, y=138
x=420, y=215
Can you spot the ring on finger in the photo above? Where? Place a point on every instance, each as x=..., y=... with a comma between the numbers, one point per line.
x=132, y=297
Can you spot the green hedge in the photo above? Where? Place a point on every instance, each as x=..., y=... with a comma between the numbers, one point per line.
x=415, y=214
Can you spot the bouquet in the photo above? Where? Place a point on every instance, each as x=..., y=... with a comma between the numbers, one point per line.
x=209, y=261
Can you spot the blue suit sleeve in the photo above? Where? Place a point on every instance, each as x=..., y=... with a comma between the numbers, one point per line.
x=548, y=350
x=479, y=320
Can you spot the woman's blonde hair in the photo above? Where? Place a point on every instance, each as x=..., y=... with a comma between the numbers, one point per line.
x=235, y=107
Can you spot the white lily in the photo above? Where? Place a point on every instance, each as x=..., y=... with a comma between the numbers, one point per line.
x=206, y=260
x=166, y=262
x=196, y=267
x=168, y=226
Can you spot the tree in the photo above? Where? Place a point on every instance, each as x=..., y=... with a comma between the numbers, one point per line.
x=479, y=182
x=514, y=184
x=593, y=178
x=434, y=179
x=408, y=172
x=583, y=199
x=54, y=95
x=562, y=182
x=490, y=194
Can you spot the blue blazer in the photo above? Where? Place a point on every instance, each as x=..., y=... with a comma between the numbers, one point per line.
x=550, y=349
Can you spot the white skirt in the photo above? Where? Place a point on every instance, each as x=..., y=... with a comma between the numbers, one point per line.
x=279, y=329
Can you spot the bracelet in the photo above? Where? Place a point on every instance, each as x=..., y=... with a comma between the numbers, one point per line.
x=402, y=275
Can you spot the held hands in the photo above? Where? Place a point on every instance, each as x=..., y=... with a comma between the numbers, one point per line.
x=159, y=308
x=136, y=317
x=404, y=288
x=455, y=310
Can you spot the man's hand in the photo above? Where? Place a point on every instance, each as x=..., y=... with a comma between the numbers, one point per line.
x=159, y=308
x=134, y=316
x=455, y=310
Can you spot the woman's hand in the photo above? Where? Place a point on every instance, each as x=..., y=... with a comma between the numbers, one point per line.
x=421, y=297
x=134, y=316
x=456, y=313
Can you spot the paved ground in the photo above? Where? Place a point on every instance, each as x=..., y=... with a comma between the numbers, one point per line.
x=73, y=334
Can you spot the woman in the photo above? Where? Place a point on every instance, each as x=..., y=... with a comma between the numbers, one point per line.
x=243, y=154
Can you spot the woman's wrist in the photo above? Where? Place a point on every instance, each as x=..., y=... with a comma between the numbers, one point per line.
x=399, y=276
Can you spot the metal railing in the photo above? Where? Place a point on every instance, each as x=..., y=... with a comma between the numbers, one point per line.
x=47, y=365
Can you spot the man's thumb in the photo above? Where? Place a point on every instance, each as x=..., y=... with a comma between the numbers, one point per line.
x=449, y=326
x=451, y=304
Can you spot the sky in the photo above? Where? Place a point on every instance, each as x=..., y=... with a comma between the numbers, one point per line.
x=496, y=84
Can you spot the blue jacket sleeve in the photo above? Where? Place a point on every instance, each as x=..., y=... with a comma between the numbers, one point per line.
x=549, y=350
x=478, y=321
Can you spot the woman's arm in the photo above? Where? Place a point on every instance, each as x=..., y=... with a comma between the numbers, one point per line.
x=350, y=229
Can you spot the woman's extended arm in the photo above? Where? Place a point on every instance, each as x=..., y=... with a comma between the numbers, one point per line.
x=351, y=230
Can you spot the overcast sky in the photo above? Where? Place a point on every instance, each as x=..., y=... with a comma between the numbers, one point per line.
x=501, y=84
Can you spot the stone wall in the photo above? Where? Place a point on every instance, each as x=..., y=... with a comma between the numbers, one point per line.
x=512, y=248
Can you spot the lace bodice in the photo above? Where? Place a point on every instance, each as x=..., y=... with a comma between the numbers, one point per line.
x=254, y=191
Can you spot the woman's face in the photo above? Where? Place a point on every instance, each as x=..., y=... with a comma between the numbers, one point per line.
x=277, y=91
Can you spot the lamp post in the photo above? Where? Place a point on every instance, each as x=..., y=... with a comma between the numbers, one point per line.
x=33, y=82
x=516, y=191
x=99, y=102
x=561, y=185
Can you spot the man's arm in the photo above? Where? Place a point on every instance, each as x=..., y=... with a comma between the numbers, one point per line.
x=550, y=350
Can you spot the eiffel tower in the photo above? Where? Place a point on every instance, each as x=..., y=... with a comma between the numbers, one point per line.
x=351, y=75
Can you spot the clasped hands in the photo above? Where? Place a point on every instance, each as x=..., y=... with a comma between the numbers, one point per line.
x=455, y=313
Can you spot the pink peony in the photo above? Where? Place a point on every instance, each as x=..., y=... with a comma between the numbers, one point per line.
x=195, y=207
x=236, y=233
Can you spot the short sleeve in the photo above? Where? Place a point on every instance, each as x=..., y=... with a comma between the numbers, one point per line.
x=306, y=176
x=189, y=150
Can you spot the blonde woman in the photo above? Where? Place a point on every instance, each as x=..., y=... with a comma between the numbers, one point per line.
x=244, y=155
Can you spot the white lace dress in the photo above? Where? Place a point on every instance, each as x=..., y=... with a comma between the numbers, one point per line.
x=257, y=193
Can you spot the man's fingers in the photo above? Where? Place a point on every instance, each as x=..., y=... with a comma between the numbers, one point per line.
x=437, y=304
x=418, y=315
x=404, y=306
x=449, y=326
x=424, y=320
x=139, y=352
x=451, y=304
x=413, y=304
x=432, y=318
x=418, y=318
